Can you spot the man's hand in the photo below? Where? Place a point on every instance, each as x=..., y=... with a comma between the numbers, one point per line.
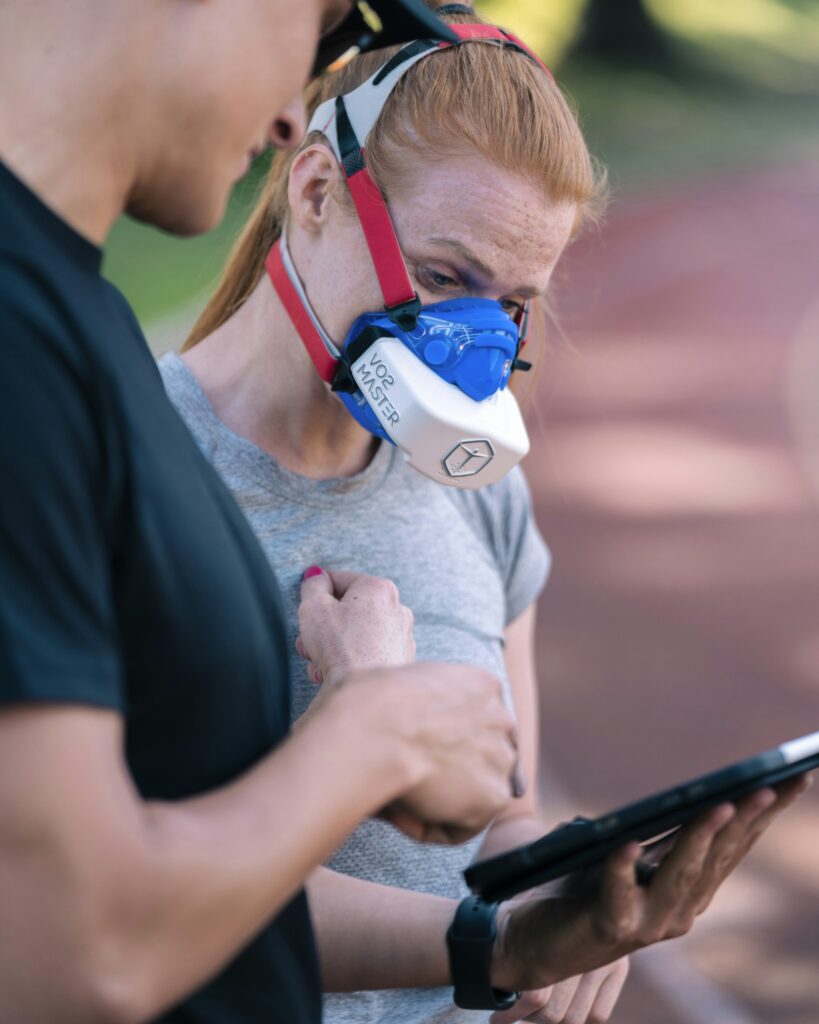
x=542, y=941
x=349, y=622
x=584, y=999
x=455, y=732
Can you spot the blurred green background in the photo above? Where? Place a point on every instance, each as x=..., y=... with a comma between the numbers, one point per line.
x=664, y=89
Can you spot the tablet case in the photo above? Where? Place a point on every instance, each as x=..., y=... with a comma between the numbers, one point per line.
x=585, y=842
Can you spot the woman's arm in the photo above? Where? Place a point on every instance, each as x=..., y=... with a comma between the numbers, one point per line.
x=374, y=936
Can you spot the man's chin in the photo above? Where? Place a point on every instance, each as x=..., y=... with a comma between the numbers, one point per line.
x=183, y=215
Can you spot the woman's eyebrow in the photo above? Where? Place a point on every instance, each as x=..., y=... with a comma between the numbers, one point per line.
x=466, y=254
x=477, y=264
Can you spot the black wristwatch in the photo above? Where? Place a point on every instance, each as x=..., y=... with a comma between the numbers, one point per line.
x=470, y=939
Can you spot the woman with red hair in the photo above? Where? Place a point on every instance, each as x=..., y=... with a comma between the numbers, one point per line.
x=350, y=381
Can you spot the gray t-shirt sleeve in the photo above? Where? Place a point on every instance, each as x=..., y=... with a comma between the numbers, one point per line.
x=523, y=557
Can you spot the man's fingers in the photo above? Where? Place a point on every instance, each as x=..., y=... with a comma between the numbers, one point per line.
x=679, y=876
x=618, y=893
x=518, y=781
x=786, y=794
x=755, y=821
x=405, y=822
x=754, y=814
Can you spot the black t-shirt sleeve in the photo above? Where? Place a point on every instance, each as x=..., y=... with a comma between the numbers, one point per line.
x=57, y=619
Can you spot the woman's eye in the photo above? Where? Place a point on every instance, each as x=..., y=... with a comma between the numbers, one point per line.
x=439, y=280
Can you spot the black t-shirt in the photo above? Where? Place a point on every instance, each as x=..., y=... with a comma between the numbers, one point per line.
x=129, y=578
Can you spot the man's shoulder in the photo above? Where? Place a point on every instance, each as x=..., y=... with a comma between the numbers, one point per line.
x=67, y=317
x=32, y=308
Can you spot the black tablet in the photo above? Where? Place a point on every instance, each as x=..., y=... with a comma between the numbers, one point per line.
x=584, y=842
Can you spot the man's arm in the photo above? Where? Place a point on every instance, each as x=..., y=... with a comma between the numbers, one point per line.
x=132, y=905
x=373, y=936
x=114, y=908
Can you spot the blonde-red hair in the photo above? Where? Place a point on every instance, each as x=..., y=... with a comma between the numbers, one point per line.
x=474, y=98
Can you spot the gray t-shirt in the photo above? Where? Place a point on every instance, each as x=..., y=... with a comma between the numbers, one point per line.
x=466, y=562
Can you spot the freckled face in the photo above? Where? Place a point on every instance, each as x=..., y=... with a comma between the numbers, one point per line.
x=467, y=227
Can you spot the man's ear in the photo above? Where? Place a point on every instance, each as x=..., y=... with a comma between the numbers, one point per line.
x=314, y=178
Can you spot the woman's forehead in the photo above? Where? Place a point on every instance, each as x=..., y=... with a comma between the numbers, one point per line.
x=475, y=209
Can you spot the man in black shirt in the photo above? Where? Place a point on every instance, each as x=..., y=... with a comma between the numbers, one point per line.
x=154, y=831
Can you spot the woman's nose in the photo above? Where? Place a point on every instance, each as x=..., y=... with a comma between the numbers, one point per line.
x=289, y=127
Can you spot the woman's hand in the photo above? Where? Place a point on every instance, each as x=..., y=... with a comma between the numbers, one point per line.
x=451, y=719
x=349, y=623
x=542, y=941
x=585, y=999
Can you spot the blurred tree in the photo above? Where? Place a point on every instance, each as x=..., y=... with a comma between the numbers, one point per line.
x=624, y=32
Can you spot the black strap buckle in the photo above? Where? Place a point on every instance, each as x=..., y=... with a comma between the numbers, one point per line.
x=405, y=314
x=343, y=379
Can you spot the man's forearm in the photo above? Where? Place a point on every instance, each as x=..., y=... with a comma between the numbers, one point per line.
x=233, y=858
x=374, y=936
x=148, y=901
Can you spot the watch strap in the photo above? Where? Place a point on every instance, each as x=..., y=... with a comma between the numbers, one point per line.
x=470, y=939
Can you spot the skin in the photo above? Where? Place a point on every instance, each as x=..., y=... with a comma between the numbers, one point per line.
x=566, y=954
x=255, y=369
x=148, y=107
x=107, y=105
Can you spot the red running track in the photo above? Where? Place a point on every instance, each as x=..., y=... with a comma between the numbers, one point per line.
x=674, y=472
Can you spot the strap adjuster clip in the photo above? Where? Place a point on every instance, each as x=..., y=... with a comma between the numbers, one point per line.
x=343, y=379
x=405, y=314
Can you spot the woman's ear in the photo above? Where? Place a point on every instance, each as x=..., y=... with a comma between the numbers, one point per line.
x=314, y=178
